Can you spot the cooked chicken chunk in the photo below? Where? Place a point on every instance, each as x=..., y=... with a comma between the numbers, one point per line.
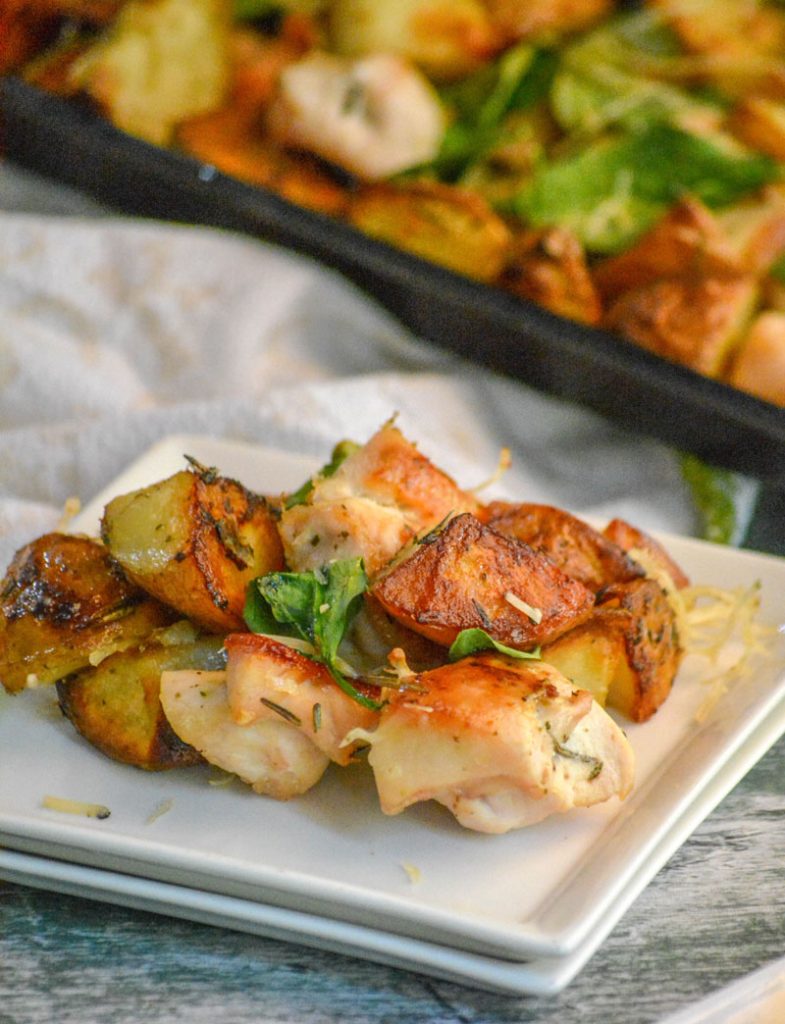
x=378, y=499
x=273, y=756
x=468, y=576
x=267, y=680
x=499, y=741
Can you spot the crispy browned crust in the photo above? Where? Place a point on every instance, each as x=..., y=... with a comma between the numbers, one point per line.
x=577, y=548
x=210, y=537
x=450, y=226
x=457, y=579
x=64, y=597
x=695, y=321
x=116, y=707
x=641, y=614
x=549, y=267
x=629, y=537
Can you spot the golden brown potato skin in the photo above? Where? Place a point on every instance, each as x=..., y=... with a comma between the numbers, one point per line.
x=696, y=321
x=455, y=228
x=642, y=615
x=195, y=541
x=627, y=652
x=63, y=598
x=457, y=579
x=577, y=548
x=630, y=537
x=117, y=707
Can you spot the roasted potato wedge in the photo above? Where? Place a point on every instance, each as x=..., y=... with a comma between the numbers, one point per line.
x=64, y=599
x=116, y=706
x=759, y=364
x=627, y=653
x=446, y=38
x=696, y=321
x=545, y=18
x=142, y=72
x=446, y=225
x=631, y=538
x=469, y=576
x=194, y=541
x=577, y=548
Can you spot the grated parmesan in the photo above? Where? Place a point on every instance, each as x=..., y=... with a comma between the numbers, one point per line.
x=58, y=803
x=535, y=614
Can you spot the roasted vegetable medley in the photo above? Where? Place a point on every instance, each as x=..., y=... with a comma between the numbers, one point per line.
x=619, y=164
x=469, y=648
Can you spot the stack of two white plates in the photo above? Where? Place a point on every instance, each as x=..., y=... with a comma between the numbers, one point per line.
x=519, y=913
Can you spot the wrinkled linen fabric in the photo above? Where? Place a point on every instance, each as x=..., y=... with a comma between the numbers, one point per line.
x=116, y=333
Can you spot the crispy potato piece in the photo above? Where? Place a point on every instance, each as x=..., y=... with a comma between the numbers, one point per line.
x=589, y=656
x=741, y=41
x=535, y=18
x=231, y=140
x=549, y=267
x=627, y=653
x=194, y=541
x=643, y=616
x=441, y=223
x=160, y=62
x=469, y=576
x=696, y=321
x=447, y=38
x=116, y=706
x=577, y=548
x=687, y=240
x=760, y=123
x=63, y=600
x=630, y=537
x=759, y=364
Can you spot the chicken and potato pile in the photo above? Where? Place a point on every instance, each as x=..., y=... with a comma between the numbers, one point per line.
x=619, y=165
x=470, y=647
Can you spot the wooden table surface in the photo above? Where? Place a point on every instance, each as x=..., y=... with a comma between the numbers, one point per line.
x=716, y=911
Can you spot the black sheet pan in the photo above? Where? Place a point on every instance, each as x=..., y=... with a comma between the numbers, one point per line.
x=643, y=393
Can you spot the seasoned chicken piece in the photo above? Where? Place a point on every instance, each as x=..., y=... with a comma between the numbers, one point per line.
x=63, y=600
x=378, y=499
x=374, y=116
x=267, y=680
x=273, y=756
x=468, y=576
x=631, y=538
x=577, y=548
x=627, y=653
x=499, y=741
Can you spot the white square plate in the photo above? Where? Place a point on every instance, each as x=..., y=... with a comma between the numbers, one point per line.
x=542, y=892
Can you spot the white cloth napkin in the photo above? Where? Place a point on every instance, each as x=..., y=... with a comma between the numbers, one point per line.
x=115, y=333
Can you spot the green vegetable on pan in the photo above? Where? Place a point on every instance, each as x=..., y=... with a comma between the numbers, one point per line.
x=714, y=493
x=615, y=189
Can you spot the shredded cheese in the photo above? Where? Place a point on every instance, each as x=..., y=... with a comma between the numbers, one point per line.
x=504, y=463
x=58, y=803
x=162, y=808
x=535, y=614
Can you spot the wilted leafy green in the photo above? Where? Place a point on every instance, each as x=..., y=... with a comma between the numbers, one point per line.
x=714, y=492
x=317, y=607
x=470, y=641
x=612, y=191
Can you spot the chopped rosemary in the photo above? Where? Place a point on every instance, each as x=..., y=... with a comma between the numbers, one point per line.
x=283, y=712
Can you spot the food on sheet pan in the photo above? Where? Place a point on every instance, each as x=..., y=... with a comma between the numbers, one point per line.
x=620, y=165
x=466, y=651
